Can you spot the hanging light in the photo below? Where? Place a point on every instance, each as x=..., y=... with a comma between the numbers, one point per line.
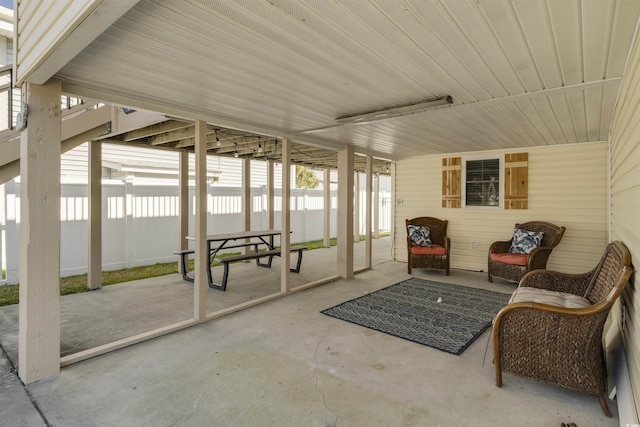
x=217, y=139
x=259, y=146
x=235, y=151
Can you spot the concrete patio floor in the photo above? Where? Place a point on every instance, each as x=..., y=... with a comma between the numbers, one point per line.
x=281, y=363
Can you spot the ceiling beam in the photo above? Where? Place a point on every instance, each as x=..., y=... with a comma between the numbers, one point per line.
x=153, y=130
x=172, y=136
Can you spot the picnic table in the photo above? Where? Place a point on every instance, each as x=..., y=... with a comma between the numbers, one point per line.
x=262, y=242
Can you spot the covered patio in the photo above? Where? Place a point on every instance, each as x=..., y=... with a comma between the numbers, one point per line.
x=281, y=363
x=547, y=90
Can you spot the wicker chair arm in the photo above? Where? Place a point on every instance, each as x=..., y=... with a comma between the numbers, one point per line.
x=555, y=281
x=500, y=247
x=525, y=309
x=447, y=244
x=557, y=329
x=538, y=258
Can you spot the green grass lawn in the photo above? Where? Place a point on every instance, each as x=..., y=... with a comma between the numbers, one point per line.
x=76, y=284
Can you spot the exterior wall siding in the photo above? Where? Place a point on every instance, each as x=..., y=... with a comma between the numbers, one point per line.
x=625, y=205
x=41, y=26
x=567, y=186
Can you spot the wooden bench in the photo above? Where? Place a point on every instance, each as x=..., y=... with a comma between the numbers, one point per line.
x=257, y=255
x=184, y=256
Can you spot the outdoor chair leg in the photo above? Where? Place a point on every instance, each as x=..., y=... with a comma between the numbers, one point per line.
x=605, y=406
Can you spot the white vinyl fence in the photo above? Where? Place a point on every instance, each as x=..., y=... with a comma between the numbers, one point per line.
x=140, y=222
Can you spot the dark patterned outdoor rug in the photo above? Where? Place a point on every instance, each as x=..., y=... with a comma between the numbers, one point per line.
x=440, y=315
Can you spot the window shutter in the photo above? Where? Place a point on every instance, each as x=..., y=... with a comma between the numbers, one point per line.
x=516, y=181
x=451, y=182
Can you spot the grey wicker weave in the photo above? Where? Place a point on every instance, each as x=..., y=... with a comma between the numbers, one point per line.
x=558, y=345
x=438, y=230
x=537, y=258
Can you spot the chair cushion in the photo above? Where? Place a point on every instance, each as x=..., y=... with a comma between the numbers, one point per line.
x=428, y=250
x=419, y=235
x=524, y=241
x=512, y=259
x=558, y=299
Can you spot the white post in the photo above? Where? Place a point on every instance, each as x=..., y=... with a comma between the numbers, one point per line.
x=183, y=207
x=201, y=253
x=376, y=208
x=12, y=233
x=94, y=276
x=129, y=227
x=345, y=213
x=285, y=217
x=270, y=195
x=246, y=197
x=327, y=208
x=39, y=308
x=356, y=208
x=3, y=216
x=367, y=202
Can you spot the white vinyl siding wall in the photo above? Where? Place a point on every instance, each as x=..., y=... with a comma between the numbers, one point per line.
x=625, y=206
x=567, y=186
x=41, y=26
x=74, y=164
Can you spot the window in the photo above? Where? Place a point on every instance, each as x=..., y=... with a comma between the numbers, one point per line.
x=482, y=182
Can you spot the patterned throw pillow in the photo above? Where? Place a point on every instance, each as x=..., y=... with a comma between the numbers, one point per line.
x=419, y=235
x=523, y=241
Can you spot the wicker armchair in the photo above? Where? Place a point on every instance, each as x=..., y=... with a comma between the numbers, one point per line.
x=512, y=269
x=551, y=330
x=433, y=257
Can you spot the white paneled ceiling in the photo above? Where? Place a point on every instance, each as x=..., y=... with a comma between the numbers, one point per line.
x=521, y=73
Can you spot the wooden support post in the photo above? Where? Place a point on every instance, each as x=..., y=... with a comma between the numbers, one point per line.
x=367, y=202
x=345, y=213
x=270, y=196
x=285, y=217
x=201, y=252
x=376, y=207
x=129, y=226
x=94, y=276
x=183, y=207
x=39, y=308
x=327, y=208
x=356, y=208
x=246, y=197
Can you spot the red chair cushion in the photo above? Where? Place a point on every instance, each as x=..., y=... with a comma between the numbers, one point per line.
x=513, y=259
x=428, y=250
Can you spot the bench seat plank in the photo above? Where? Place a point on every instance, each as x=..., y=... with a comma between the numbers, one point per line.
x=257, y=255
x=184, y=256
x=225, y=261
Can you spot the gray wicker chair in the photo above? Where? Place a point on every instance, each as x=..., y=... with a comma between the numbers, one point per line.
x=537, y=337
x=439, y=256
x=537, y=259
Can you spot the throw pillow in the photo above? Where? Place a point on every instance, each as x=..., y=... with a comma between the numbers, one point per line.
x=524, y=241
x=419, y=235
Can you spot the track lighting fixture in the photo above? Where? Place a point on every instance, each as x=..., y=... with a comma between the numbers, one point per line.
x=401, y=110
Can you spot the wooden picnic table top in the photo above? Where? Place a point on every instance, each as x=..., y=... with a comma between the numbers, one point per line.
x=239, y=235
